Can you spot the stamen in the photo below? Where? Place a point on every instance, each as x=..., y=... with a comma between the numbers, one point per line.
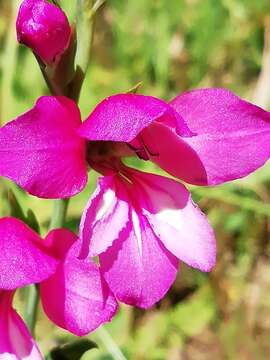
x=125, y=177
x=146, y=148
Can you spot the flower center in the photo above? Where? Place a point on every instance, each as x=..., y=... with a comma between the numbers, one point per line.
x=105, y=156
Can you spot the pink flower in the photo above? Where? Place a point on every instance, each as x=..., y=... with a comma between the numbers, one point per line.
x=141, y=225
x=73, y=292
x=42, y=152
x=213, y=137
x=16, y=342
x=44, y=28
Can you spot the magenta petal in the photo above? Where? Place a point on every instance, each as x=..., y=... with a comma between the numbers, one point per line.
x=173, y=153
x=16, y=342
x=177, y=221
x=42, y=152
x=58, y=242
x=121, y=117
x=44, y=28
x=81, y=298
x=103, y=218
x=22, y=262
x=232, y=137
x=138, y=268
x=139, y=262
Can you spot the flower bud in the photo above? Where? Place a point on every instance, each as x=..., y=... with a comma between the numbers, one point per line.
x=44, y=28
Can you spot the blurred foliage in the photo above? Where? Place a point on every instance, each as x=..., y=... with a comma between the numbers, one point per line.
x=171, y=46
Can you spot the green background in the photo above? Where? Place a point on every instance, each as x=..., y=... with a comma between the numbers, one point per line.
x=171, y=46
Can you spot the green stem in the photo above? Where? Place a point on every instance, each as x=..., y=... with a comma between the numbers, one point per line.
x=57, y=220
x=110, y=344
x=85, y=30
x=31, y=308
x=97, y=5
x=8, y=65
x=59, y=213
x=53, y=88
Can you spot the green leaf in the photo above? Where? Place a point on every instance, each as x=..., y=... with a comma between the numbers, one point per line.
x=72, y=351
x=228, y=195
x=15, y=207
x=17, y=212
x=55, y=2
x=32, y=221
x=134, y=88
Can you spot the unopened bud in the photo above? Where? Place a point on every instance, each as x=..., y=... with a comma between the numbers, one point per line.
x=44, y=28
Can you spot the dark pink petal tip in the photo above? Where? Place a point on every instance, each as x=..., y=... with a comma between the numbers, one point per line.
x=42, y=152
x=121, y=117
x=22, y=260
x=44, y=28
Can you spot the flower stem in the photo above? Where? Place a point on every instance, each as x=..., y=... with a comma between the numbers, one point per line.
x=57, y=220
x=110, y=344
x=85, y=30
x=8, y=65
x=59, y=213
x=30, y=315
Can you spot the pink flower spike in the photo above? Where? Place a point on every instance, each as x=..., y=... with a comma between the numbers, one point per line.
x=44, y=28
x=82, y=300
x=122, y=117
x=22, y=259
x=16, y=342
x=231, y=138
x=42, y=152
